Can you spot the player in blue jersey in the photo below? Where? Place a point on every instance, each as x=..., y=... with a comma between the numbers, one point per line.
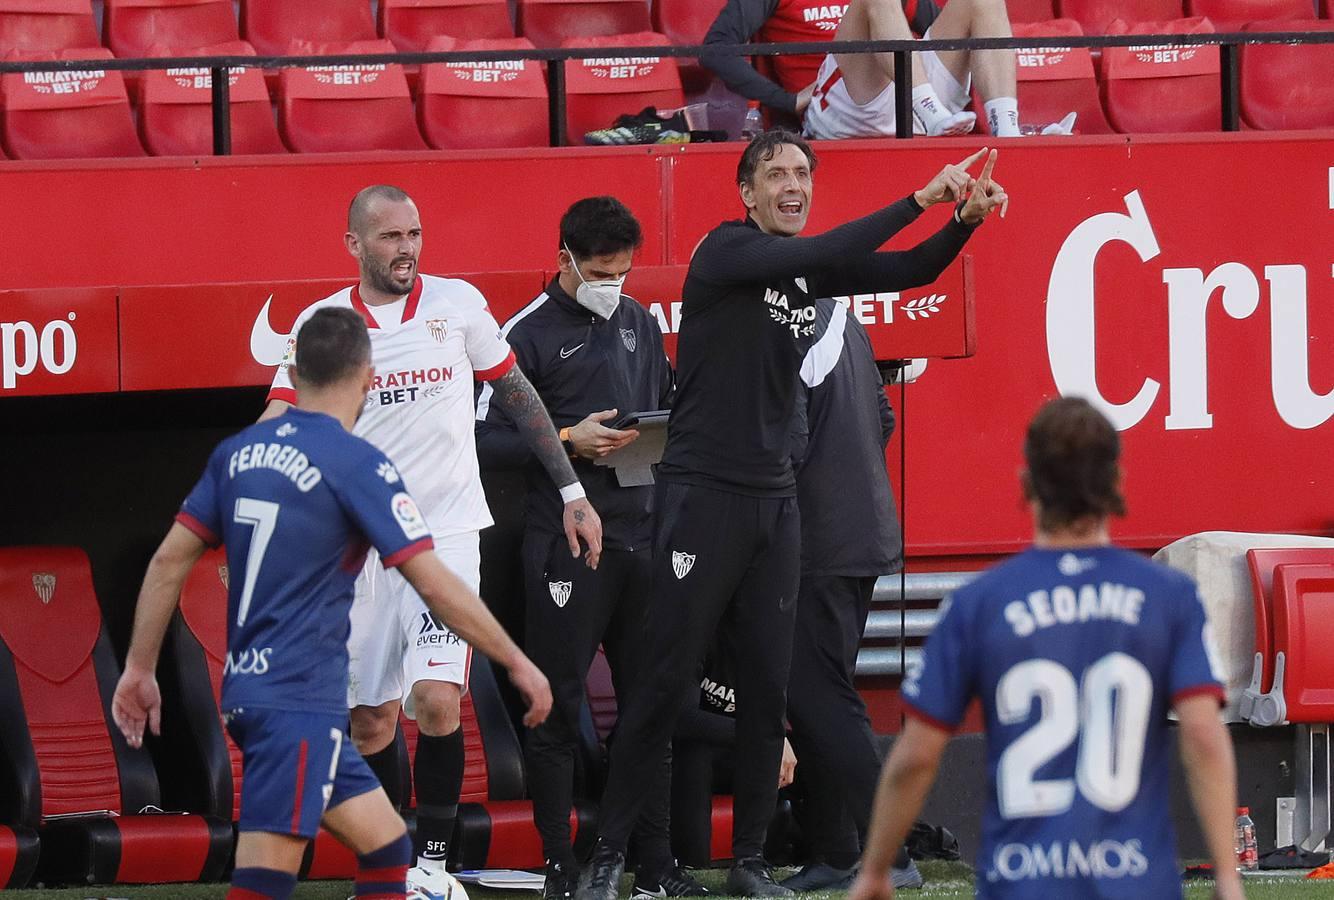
x=298, y=501
x=1078, y=650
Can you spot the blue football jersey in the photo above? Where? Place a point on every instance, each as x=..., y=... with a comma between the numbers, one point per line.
x=1077, y=657
x=298, y=501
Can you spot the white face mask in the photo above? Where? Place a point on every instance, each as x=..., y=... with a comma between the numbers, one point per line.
x=598, y=297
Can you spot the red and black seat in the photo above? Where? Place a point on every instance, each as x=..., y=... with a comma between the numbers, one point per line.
x=1095, y=15
x=1232, y=15
x=92, y=798
x=18, y=855
x=467, y=106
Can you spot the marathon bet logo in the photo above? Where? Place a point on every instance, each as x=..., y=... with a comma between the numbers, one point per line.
x=682, y=563
x=44, y=583
x=560, y=592
x=628, y=338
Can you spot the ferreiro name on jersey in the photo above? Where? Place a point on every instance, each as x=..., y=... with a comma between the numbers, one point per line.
x=282, y=458
x=1063, y=606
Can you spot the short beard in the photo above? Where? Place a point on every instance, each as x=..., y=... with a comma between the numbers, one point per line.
x=382, y=279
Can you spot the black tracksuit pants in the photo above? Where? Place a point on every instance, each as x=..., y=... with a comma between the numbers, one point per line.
x=570, y=610
x=831, y=732
x=717, y=557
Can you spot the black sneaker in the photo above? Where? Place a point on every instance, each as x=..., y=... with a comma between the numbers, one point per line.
x=752, y=877
x=675, y=882
x=820, y=877
x=601, y=878
x=561, y=880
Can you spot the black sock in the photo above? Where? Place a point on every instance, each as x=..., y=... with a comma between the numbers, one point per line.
x=902, y=859
x=388, y=768
x=438, y=771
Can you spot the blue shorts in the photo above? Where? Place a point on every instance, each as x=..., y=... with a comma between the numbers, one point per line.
x=294, y=766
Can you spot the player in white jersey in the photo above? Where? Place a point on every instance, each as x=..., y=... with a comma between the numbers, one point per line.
x=430, y=339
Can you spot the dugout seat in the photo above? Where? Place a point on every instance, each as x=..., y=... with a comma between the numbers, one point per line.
x=176, y=109
x=348, y=108
x=687, y=22
x=271, y=25
x=18, y=856
x=1030, y=10
x=598, y=90
x=483, y=105
x=1162, y=89
x=46, y=25
x=68, y=115
x=412, y=24
x=1233, y=15
x=1303, y=604
x=1055, y=81
x=1288, y=86
x=1095, y=15
x=131, y=27
x=77, y=780
x=550, y=23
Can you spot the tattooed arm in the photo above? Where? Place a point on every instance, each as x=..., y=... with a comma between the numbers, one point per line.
x=517, y=398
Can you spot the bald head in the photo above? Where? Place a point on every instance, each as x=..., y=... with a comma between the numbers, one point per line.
x=359, y=212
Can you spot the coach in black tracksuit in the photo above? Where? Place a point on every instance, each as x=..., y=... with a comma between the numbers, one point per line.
x=849, y=535
x=592, y=355
x=727, y=534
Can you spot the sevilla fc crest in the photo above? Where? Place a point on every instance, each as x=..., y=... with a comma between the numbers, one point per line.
x=682, y=563
x=44, y=583
x=628, y=338
x=560, y=592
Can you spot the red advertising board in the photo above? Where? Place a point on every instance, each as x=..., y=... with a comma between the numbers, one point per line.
x=58, y=342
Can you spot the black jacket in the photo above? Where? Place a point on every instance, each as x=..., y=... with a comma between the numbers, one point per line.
x=580, y=363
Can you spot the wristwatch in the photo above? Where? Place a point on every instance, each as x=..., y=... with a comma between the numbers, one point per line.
x=565, y=440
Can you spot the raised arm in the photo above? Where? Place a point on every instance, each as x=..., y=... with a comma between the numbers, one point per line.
x=515, y=396
x=737, y=22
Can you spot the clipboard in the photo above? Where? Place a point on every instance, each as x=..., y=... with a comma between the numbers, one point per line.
x=633, y=463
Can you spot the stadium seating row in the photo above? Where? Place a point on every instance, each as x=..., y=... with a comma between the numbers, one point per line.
x=95, y=804
x=1096, y=16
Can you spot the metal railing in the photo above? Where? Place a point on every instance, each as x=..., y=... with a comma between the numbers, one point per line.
x=891, y=620
x=1228, y=44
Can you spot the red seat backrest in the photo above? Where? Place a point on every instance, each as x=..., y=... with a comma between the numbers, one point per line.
x=1303, y=609
x=485, y=104
x=46, y=25
x=176, y=112
x=476, y=783
x=326, y=109
x=599, y=89
x=204, y=609
x=1232, y=15
x=131, y=27
x=1054, y=81
x=685, y=21
x=1095, y=15
x=1030, y=10
x=1262, y=562
x=273, y=24
x=68, y=115
x=412, y=24
x=549, y=23
x=1288, y=86
x=50, y=622
x=1162, y=89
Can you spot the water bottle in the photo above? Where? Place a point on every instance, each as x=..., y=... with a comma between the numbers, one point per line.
x=754, y=121
x=1248, y=857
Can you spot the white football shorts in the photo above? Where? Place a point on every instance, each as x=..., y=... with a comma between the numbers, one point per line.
x=832, y=114
x=394, y=642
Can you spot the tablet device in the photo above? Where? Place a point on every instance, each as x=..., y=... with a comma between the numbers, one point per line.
x=635, y=419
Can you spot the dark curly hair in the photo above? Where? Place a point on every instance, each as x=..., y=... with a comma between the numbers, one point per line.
x=598, y=226
x=1073, y=456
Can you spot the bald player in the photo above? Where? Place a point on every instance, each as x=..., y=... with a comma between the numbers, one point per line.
x=431, y=338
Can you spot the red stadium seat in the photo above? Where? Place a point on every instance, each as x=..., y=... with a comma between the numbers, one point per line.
x=46, y=25
x=550, y=23
x=483, y=105
x=18, y=856
x=1288, y=86
x=1263, y=561
x=1095, y=15
x=687, y=22
x=271, y=25
x=68, y=115
x=411, y=24
x=324, y=109
x=77, y=779
x=1232, y=15
x=1056, y=81
x=1303, y=604
x=131, y=27
x=176, y=109
x=1031, y=10
x=1162, y=89
x=600, y=89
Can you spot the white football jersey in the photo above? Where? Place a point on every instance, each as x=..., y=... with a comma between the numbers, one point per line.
x=419, y=411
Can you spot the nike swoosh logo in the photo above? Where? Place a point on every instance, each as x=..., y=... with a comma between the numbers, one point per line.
x=660, y=893
x=566, y=354
x=432, y=663
x=266, y=345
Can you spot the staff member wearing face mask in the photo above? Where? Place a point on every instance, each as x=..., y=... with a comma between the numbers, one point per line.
x=593, y=355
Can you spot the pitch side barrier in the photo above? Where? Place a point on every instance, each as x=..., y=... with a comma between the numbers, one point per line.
x=1228, y=44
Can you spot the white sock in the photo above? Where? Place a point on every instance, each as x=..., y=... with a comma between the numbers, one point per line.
x=926, y=104
x=431, y=865
x=1003, y=116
